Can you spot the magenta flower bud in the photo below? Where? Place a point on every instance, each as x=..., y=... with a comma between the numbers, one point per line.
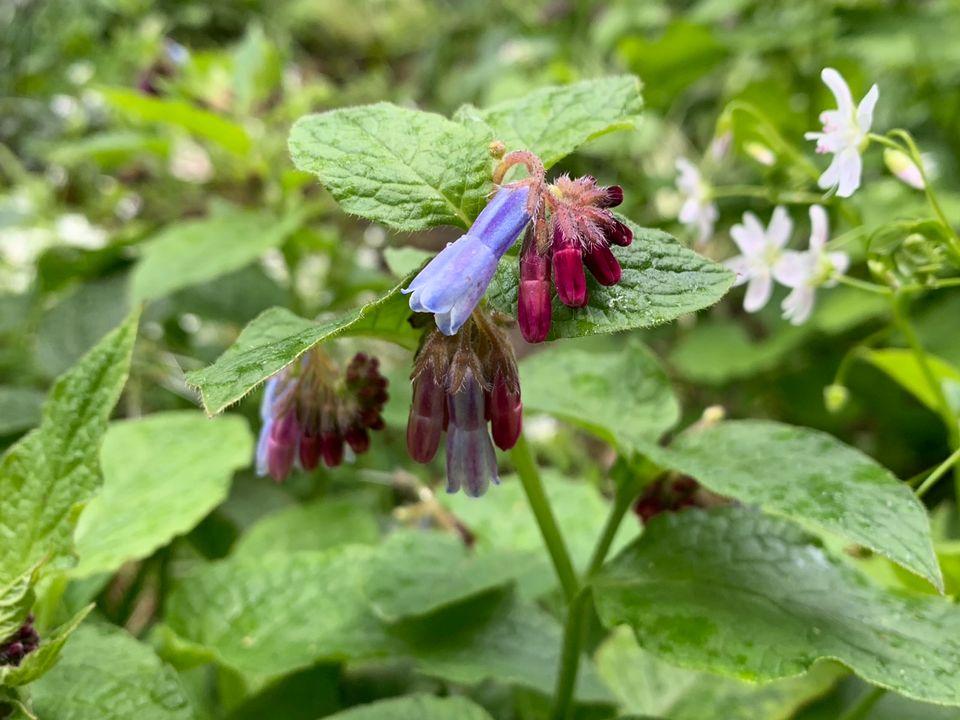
x=506, y=413
x=619, y=234
x=604, y=266
x=613, y=197
x=471, y=461
x=534, y=309
x=358, y=439
x=282, y=446
x=331, y=448
x=427, y=419
x=568, y=273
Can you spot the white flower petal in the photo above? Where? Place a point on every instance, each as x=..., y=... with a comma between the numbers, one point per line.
x=819, y=227
x=740, y=266
x=778, y=232
x=841, y=263
x=841, y=91
x=793, y=269
x=850, y=167
x=831, y=176
x=865, y=109
x=689, y=211
x=749, y=238
x=759, y=290
x=798, y=305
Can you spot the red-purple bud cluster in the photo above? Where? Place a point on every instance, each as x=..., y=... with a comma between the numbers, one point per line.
x=674, y=495
x=309, y=411
x=460, y=384
x=23, y=641
x=581, y=232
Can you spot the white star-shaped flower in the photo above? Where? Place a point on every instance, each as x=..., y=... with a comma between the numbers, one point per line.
x=762, y=251
x=844, y=134
x=806, y=271
x=697, y=211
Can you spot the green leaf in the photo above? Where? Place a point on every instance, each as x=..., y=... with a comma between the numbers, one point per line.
x=178, y=464
x=623, y=396
x=16, y=599
x=19, y=409
x=902, y=367
x=813, y=478
x=661, y=281
x=554, y=121
x=196, y=251
x=404, y=168
x=416, y=707
x=137, y=107
x=105, y=674
x=503, y=523
x=277, y=337
x=50, y=472
x=738, y=593
x=404, y=260
x=646, y=685
x=415, y=573
x=313, y=526
x=41, y=660
x=270, y=615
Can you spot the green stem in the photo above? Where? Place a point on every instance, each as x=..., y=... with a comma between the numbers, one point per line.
x=576, y=624
x=533, y=488
x=938, y=473
x=864, y=285
x=865, y=704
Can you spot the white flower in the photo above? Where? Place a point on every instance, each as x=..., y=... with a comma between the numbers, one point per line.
x=806, y=271
x=762, y=250
x=75, y=229
x=697, y=210
x=844, y=134
x=901, y=165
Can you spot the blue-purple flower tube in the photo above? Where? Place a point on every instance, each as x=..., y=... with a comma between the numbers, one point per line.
x=451, y=285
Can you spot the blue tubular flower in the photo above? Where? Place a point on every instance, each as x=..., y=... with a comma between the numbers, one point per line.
x=471, y=461
x=451, y=285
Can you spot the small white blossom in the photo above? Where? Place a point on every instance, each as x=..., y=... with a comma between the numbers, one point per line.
x=806, y=271
x=901, y=165
x=75, y=229
x=762, y=251
x=844, y=134
x=697, y=211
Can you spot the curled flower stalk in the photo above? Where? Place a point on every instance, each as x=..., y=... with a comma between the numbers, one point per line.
x=310, y=411
x=460, y=385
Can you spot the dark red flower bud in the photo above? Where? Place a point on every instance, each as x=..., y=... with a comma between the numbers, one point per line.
x=282, y=446
x=358, y=439
x=612, y=198
x=619, y=234
x=427, y=417
x=534, y=309
x=331, y=448
x=604, y=266
x=506, y=413
x=568, y=273
x=309, y=451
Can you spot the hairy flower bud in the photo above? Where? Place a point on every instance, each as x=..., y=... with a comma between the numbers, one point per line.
x=602, y=264
x=534, y=309
x=506, y=412
x=568, y=270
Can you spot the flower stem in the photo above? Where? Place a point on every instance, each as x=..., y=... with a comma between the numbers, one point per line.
x=938, y=473
x=864, y=285
x=865, y=704
x=533, y=488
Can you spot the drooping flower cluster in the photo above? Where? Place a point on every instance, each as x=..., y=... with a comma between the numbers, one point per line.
x=309, y=411
x=459, y=385
x=569, y=228
x=14, y=648
x=581, y=232
x=763, y=259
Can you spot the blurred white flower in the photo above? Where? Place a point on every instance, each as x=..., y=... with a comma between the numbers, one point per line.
x=75, y=229
x=806, y=271
x=697, y=211
x=720, y=145
x=900, y=164
x=844, y=134
x=761, y=153
x=190, y=162
x=64, y=106
x=762, y=252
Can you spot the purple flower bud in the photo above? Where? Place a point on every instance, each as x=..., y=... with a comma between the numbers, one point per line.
x=534, y=309
x=331, y=447
x=451, y=285
x=427, y=418
x=309, y=451
x=358, y=439
x=568, y=273
x=613, y=197
x=282, y=446
x=471, y=461
x=604, y=266
x=506, y=413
